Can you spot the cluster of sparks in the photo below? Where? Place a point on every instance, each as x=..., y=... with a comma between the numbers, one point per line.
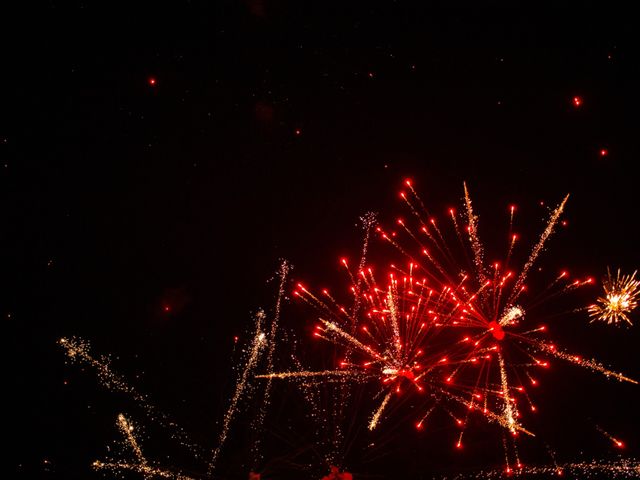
x=620, y=298
x=448, y=326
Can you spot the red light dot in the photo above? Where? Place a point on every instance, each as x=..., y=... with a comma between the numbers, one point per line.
x=577, y=101
x=297, y=131
x=152, y=81
x=167, y=308
x=604, y=152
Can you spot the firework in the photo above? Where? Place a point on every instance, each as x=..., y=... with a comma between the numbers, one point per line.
x=460, y=335
x=620, y=293
x=446, y=325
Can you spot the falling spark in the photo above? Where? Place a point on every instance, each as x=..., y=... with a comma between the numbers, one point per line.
x=616, y=442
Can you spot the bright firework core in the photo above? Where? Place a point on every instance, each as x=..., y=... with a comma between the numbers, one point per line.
x=509, y=317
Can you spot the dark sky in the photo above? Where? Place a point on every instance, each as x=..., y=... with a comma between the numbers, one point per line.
x=170, y=156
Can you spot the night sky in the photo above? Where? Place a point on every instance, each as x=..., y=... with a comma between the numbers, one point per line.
x=157, y=163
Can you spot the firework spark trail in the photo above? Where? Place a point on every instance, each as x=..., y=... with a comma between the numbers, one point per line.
x=489, y=415
x=376, y=416
x=591, y=364
x=333, y=328
x=535, y=252
x=126, y=428
x=142, y=466
x=616, y=469
x=620, y=297
x=618, y=443
x=254, y=354
x=308, y=375
x=283, y=272
x=509, y=407
x=423, y=419
x=79, y=351
x=393, y=314
x=476, y=245
x=368, y=222
x=341, y=397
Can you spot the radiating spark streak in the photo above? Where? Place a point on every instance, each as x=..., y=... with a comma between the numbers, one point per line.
x=127, y=431
x=393, y=313
x=591, y=364
x=509, y=408
x=376, y=416
x=506, y=453
x=620, y=294
x=368, y=222
x=272, y=340
x=488, y=414
x=539, y=247
x=476, y=245
x=256, y=348
x=425, y=416
x=322, y=373
x=332, y=327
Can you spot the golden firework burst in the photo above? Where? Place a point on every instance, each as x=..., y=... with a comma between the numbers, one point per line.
x=620, y=293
